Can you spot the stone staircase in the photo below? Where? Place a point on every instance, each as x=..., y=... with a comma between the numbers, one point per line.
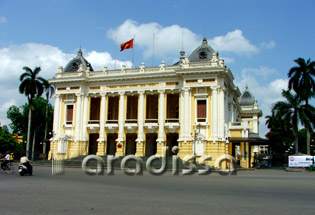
x=156, y=164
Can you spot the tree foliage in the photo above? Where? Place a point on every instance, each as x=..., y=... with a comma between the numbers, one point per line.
x=7, y=141
x=19, y=119
x=295, y=110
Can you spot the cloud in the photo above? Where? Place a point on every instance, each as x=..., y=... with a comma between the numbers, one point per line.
x=262, y=71
x=268, y=45
x=101, y=59
x=49, y=58
x=266, y=94
x=3, y=19
x=233, y=42
x=167, y=40
x=228, y=59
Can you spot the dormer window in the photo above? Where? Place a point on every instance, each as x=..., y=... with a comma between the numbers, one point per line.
x=202, y=55
x=75, y=66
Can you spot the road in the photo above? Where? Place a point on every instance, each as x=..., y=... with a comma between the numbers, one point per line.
x=249, y=192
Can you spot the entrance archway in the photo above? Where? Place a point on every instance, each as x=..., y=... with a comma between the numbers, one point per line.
x=93, y=144
x=111, y=144
x=171, y=141
x=131, y=144
x=150, y=144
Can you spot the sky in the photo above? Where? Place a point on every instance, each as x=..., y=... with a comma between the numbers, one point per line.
x=258, y=40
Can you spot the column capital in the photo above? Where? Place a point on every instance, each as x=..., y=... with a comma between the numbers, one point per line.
x=186, y=89
x=214, y=87
x=161, y=91
x=85, y=94
x=57, y=96
x=141, y=92
x=103, y=94
x=121, y=93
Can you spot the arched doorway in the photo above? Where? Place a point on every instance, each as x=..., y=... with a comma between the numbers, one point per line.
x=131, y=144
x=171, y=141
x=150, y=144
x=93, y=144
x=111, y=144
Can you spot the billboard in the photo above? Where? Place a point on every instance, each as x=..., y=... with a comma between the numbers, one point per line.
x=300, y=161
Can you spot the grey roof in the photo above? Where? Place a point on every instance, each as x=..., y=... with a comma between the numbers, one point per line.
x=74, y=64
x=247, y=98
x=203, y=53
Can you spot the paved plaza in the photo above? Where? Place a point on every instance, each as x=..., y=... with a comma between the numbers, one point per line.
x=249, y=192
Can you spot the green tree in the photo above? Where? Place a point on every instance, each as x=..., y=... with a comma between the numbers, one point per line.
x=280, y=133
x=7, y=141
x=18, y=114
x=290, y=110
x=49, y=91
x=302, y=82
x=18, y=120
x=31, y=85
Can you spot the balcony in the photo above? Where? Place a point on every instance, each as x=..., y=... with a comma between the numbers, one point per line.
x=131, y=125
x=151, y=125
x=111, y=125
x=172, y=124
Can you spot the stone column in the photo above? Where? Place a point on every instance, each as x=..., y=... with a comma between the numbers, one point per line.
x=255, y=124
x=221, y=114
x=84, y=138
x=161, y=140
x=232, y=112
x=182, y=116
x=214, y=113
x=140, y=139
x=121, y=123
x=186, y=113
x=57, y=110
x=85, y=116
x=161, y=116
x=101, y=140
x=78, y=118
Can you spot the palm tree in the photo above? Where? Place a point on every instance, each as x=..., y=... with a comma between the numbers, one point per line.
x=280, y=130
x=292, y=111
x=31, y=86
x=49, y=90
x=302, y=82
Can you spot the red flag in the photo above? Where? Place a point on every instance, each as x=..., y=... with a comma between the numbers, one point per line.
x=126, y=45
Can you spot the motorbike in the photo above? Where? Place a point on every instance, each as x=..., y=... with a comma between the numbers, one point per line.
x=23, y=170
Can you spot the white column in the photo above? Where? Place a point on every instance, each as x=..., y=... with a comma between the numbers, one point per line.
x=141, y=116
x=161, y=116
x=102, y=118
x=85, y=117
x=181, y=111
x=255, y=124
x=57, y=111
x=78, y=118
x=221, y=110
x=232, y=112
x=186, y=114
x=214, y=113
x=121, y=117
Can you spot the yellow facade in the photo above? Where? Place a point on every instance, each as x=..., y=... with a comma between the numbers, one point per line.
x=193, y=105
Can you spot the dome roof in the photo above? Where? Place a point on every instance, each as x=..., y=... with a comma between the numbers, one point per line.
x=74, y=64
x=202, y=53
x=247, y=98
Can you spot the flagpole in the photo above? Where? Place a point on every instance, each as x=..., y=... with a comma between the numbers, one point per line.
x=153, y=52
x=115, y=53
x=133, y=52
